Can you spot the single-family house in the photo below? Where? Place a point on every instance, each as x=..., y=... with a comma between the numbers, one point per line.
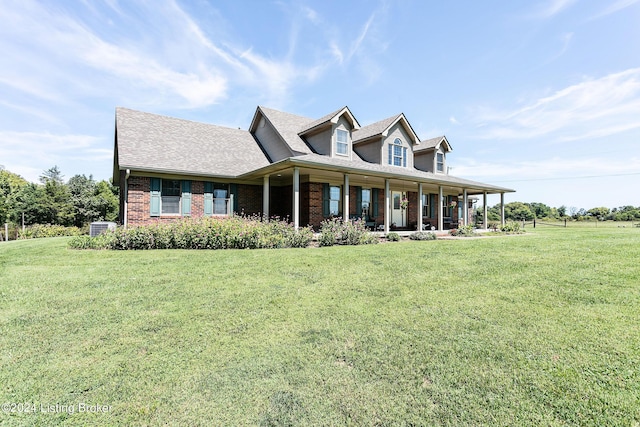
x=289, y=166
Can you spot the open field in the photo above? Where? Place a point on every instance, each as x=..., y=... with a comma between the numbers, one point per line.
x=539, y=329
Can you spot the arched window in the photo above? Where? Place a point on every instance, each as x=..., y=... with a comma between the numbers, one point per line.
x=397, y=153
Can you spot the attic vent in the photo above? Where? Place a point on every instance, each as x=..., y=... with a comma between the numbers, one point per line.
x=100, y=227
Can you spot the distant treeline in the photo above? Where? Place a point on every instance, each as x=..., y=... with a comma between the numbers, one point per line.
x=519, y=211
x=77, y=202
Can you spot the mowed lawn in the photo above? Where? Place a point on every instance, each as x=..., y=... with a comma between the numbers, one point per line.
x=537, y=329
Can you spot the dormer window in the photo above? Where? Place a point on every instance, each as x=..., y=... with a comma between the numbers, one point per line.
x=397, y=153
x=342, y=142
x=440, y=162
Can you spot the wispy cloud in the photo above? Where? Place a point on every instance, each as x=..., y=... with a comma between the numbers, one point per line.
x=25, y=150
x=615, y=7
x=589, y=109
x=553, y=7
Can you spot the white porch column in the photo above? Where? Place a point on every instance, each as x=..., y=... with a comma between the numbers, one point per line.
x=485, y=220
x=420, y=205
x=501, y=208
x=345, y=198
x=465, y=208
x=440, y=209
x=265, y=197
x=387, y=206
x=296, y=198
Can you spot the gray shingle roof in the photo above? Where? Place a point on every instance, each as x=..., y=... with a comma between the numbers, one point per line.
x=373, y=168
x=320, y=121
x=373, y=129
x=152, y=142
x=431, y=143
x=288, y=125
x=428, y=143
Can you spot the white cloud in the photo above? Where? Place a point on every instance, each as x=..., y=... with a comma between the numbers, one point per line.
x=589, y=109
x=615, y=7
x=453, y=120
x=553, y=7
x=29, y=153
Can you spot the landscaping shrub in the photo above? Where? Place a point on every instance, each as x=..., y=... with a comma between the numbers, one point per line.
x=464, y=231
x=511, y=227
x=336, y=231
x=38, y=231
x=202, y=233
x=393, y=237
x=423, y=235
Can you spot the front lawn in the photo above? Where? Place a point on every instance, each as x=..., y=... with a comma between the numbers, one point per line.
x=536, y=329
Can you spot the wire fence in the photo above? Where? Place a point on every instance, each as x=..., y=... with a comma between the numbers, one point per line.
x=581, y=224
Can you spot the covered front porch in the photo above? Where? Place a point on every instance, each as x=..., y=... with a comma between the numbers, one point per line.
x=308, y=194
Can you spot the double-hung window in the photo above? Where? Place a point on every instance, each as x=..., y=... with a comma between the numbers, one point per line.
x=342, y=142
x=170, y=197
x=440, y=162
x=334, y=200
x=397, y=154
x=425, y=205
x=366, y=202
x=216, y=199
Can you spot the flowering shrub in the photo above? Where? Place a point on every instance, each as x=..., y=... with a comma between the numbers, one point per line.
x=202, y=233
x=465, y=231
x=38, y=231
x=393, y=237
x=336, y=231
x=423, y=235
x=511, y=227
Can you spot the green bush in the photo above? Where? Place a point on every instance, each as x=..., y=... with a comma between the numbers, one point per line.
x=202, y=233
x=511, y=227
x=38, y=231
x=393, y=237
x=423, y=235
x=336, y=231
x=466, y=231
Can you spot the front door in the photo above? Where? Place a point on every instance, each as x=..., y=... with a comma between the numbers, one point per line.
x=398, y=214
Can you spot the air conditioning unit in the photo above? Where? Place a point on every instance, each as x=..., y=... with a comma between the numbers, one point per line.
x=99, y=227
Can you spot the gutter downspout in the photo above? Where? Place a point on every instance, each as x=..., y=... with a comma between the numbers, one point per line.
x=125, y=217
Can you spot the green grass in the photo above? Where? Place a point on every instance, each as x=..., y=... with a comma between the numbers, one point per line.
x=537, y=329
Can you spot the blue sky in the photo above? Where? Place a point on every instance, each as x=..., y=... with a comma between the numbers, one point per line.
x=542, y=97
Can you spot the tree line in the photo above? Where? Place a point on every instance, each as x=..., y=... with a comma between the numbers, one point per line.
x=519, y=211
x=78, y=202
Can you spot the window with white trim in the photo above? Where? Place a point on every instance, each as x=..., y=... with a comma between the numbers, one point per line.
x=169, y=197
x=425, y=205
x=334, y=200
x=171, y=192
x=397, y=153
x=366, y=202
x=440, y=162
x=342, y=142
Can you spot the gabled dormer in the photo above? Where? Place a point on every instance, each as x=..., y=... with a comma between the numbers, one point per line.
x=331, y=134
x=431, y=155
x=388, y=142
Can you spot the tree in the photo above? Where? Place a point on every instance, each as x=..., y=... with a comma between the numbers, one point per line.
x=562, y=211
x=540, y=209
x=10, y=185
x=92, y=201
x=52, y=174
x=600, y=213
x=518, y=211
x=33, y=202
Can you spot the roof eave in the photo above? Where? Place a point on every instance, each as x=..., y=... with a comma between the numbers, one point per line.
x=475, y=187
